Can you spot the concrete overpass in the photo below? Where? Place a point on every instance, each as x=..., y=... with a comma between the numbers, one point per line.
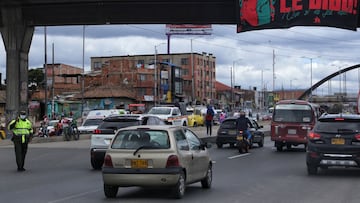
x=18, y=19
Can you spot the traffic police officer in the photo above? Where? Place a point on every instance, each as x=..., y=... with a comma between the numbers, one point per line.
x=22, y=130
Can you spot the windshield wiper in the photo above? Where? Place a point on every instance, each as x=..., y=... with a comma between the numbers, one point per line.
x=143, y=147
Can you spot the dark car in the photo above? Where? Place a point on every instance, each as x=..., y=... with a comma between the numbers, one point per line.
x=105, y=132
x=227, y=133
x=333, y=142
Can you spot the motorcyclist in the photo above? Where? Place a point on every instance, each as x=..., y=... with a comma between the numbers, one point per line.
x=242, y=124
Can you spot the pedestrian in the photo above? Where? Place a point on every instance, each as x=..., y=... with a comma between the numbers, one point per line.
x=209, y=119
x=222, y=117
x=22, y=132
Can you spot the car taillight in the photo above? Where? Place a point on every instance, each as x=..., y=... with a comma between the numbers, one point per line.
x=314, y=136
x=108, y=161
x=97, y=131
x=357, y=137
x=172, y=161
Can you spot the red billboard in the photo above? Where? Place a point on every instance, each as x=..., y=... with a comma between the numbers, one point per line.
x=269, y=14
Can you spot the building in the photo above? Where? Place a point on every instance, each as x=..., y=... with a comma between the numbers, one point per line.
x=63, y=81
x=187, y=77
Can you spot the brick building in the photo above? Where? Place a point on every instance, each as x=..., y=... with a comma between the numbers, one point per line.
x=192, y=80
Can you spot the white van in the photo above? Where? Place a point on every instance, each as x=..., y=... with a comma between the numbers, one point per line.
x=104, y=113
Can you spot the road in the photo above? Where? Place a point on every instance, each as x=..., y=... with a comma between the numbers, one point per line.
x=60, y=172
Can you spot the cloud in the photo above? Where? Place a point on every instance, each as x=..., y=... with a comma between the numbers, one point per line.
x=286, y=51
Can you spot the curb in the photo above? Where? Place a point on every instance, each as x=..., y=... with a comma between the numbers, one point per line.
x=36, y=140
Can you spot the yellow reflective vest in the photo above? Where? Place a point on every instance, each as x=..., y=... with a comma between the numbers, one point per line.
x=21, y=127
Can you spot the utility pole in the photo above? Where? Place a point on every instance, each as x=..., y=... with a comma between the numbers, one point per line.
x=155, y=77
x=232, y=90
x=193, y=74
x=53, y=83
x=45, y=73
x=82, y=75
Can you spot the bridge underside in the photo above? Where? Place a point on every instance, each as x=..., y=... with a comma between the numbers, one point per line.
x=80, y=12
x=19, y=17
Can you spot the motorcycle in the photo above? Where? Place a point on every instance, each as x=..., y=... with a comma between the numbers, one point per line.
x=42, y=130
x=243, y=144
x=71, y=131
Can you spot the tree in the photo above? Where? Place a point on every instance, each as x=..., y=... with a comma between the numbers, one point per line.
x=36, y=78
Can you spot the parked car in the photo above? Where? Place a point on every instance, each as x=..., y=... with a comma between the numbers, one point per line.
x=103, y=134
x=196, y=118
x=227, y=133
x=89, y=125
x=333, y=142
x=156, y=156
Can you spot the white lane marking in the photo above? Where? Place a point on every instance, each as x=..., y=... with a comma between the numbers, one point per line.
x=74, y=196
x=237, y=156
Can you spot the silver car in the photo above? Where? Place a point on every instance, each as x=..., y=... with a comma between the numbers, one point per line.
x=162, y=156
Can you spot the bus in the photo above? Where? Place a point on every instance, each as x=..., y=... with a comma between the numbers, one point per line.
x=291, y=121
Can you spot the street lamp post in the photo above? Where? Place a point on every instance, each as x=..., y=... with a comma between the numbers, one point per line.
x=311, y=72
x=233, y=79
x=262, y=97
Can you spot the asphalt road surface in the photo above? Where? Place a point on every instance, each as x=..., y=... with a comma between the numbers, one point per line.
x=60, y=172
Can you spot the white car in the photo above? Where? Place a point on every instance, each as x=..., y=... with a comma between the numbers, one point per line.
x=90, y=125
x=164, y=156
x=104, y=133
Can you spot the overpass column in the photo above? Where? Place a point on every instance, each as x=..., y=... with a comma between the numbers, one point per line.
x=17, y=36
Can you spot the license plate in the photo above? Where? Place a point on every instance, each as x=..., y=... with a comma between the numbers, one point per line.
x=239, y=137
x=139, y=163
x=232, y=132
x=338, y=141
x=292, y=131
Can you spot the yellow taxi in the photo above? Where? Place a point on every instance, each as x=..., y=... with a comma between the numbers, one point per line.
x=196, y=118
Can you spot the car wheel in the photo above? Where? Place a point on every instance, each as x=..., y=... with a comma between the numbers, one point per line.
x=195, y=124
x=110, y=191
x=184, y=123
x=206, y=182
x=96, y=164
x=179, y=189
x=219, y=145
x=312, y=170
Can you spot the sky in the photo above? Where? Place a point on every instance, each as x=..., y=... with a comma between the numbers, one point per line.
x=297, y=56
